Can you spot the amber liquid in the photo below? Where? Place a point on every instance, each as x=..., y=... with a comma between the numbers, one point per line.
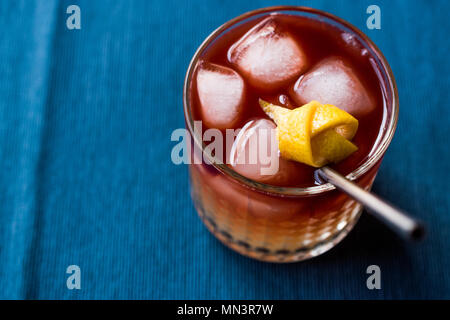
x=319, y=40
x=273, y=227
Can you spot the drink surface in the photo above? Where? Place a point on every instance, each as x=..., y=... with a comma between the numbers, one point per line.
x=325, y=61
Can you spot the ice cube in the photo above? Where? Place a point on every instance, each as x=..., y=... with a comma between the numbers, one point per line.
x=255, y=155
x=333, y=82
x=267, y=56
x=221, y=93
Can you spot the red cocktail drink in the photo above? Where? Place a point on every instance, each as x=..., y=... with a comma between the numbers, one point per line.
x=287, y=56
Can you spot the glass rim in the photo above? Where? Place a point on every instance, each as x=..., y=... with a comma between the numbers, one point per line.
x=374, y=158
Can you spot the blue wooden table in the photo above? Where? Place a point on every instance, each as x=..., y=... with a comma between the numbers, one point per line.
x=86, y=177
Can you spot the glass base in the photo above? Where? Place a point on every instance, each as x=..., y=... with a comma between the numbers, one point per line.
x=279, y=256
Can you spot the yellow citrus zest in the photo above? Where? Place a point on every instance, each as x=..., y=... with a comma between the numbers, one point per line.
x=314, y=134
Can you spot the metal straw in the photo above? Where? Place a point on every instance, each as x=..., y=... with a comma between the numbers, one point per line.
x=397, y=220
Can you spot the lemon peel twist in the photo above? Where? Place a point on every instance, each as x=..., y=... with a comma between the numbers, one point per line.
x=314, y=134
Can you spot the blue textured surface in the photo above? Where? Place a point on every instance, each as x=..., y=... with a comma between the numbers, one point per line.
x=86, y=176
